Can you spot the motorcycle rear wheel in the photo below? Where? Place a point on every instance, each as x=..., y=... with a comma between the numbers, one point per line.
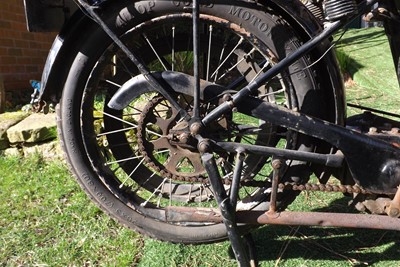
x=135, y=183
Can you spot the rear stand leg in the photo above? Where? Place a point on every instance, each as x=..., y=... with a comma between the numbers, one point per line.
x=276, y=165
x=227, y=205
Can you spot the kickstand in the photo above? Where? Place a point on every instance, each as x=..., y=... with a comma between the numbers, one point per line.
x=227, y=206
x=251, y=249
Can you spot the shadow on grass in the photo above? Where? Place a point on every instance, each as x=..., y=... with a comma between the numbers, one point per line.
x=360, y=43
x=315, y=244
x=366, y=38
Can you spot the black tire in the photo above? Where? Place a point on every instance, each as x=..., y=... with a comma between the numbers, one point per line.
x=88, y=151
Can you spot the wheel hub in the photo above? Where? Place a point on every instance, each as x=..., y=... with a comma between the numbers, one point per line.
x=166, y=144
x=164, y=138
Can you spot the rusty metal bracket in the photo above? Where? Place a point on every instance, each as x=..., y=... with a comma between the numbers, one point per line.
x=393, y=210
x=276, y=165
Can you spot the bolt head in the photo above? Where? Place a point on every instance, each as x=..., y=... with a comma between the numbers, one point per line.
x=373, y=130
x=276, y=164
x=203, y=146
x=227, y=97
x=195, y=128
x=183, y=137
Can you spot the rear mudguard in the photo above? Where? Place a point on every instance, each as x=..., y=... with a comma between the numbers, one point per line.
x=72, y=35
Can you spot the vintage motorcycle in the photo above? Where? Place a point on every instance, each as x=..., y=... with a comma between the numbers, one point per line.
x=194, y=122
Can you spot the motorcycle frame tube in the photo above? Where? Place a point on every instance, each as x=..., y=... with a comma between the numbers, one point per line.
x=330, y=160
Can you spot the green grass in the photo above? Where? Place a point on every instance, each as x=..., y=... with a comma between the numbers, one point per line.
x=292, y=246
x=46, y=219
x=365, y=55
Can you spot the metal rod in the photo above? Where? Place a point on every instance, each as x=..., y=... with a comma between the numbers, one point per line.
x=373, y=110
x=237, y=174
x=196, y=68
x=278, y=68
x=276, y=165
x=368, y=221
x=330, y=160
x=175, y=214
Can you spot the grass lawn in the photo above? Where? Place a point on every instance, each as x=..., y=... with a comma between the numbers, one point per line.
x=46, y=219
x=370, y=66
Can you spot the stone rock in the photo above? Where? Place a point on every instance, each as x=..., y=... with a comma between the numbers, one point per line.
x=49, y=150
x=6, y=121
x=12, y=152
x=35, y=128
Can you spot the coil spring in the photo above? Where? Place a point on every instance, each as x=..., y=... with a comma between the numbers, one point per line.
x=338, y=9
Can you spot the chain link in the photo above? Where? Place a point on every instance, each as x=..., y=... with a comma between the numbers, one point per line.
x=323, y=188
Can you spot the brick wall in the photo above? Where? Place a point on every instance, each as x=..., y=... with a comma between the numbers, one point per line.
x=22, y=54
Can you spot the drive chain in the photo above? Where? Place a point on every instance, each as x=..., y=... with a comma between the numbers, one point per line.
x=323, y=188
x=227, y=181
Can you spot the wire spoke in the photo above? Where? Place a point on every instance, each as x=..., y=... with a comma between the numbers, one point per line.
x=116, y=131
x=155, y=52
x=113, y=83
x=266, y=64
x=210, y=29
x=122, y=160
x=215, y=73
x=237, y=63
x=173, y=49
x=130, y=175
x=154, y=192
x=118, y=119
